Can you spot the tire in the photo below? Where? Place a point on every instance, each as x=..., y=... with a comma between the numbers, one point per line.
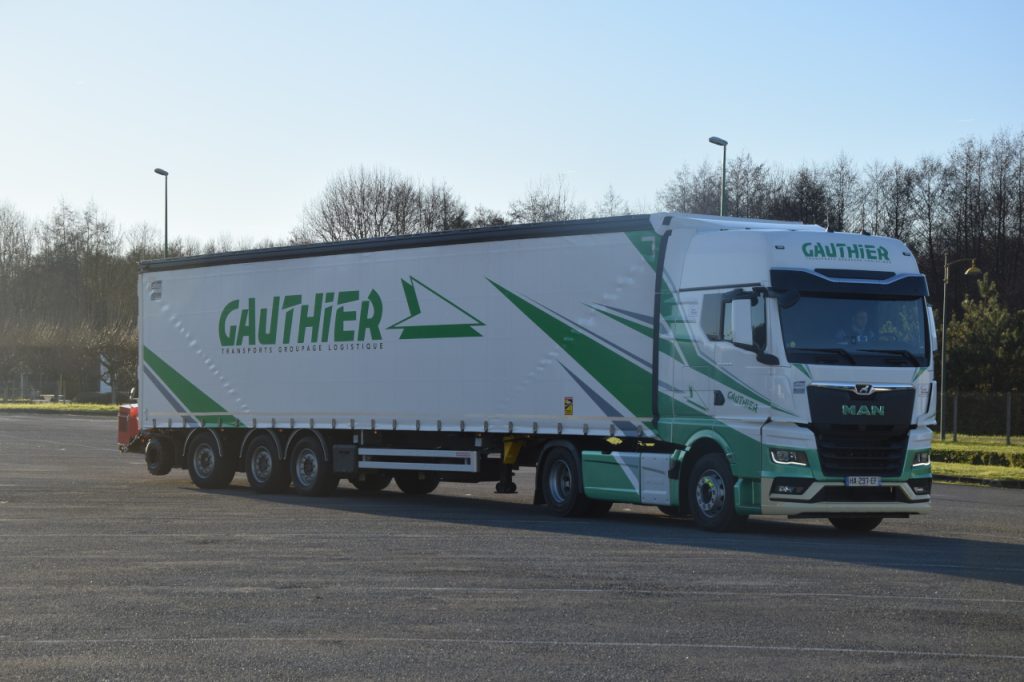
x=265, y=469
x=370, y=481
x=855, y=524
x=711, y=494
x=419, y=483
x=561, y=485
x=309, y=471
x=159, y=456
x=208, y=466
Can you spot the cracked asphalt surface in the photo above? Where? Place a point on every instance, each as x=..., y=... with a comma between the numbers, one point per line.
x=109, y=572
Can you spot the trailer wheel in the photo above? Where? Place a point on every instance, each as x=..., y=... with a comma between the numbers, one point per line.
x=264, y=468
x=419, y=483
x=208, y=467
x=560, y=481
x=370, y=481
x=310, y=473
x=711, y=494
x=159, y=456
x=855, y=524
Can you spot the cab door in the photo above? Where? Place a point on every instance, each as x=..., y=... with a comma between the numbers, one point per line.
x=743, y=368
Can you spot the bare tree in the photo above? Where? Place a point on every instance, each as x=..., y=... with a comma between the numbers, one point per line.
x=897, y=208
x=377, y=202
x=546, y=201
x=802, y=199
x=697, y=192
x=928, y=212
x=611, y=204
x=440, y=209
x=841, y=187
x=752, y=187
x=485, y=217
x=15, y=244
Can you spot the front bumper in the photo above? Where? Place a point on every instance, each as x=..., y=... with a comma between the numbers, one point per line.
x=824, y=498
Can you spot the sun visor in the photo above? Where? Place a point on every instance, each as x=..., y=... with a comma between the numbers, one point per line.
x=852, y=282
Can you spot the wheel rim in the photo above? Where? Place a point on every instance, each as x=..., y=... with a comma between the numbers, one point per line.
x=559, y=481
x=710, y=493
x=306, y=467
x=262, y=464
x=204, y=460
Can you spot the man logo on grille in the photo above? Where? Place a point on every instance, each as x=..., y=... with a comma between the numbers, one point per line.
x=863, y=389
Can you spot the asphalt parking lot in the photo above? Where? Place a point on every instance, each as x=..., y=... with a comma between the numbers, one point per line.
x=109, y=572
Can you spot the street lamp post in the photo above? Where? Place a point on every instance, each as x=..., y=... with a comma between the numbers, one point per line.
x=723, y=144
x=161, y=171
x=972, y=271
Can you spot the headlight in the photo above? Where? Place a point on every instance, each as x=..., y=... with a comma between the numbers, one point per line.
x=785, y=456
x=923, y=458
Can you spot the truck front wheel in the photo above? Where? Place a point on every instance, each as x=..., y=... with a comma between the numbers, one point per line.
x=310, y=473
x=208, y=467
x=711, y=494
x=560, y=481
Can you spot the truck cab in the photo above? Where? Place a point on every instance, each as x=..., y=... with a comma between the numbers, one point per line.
x=805, y=360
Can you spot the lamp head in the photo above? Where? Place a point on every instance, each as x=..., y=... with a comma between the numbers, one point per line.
x=973, y=271
x=717, y=140
x=161, y=171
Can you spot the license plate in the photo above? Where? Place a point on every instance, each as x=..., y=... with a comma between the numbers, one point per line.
x=863, y=481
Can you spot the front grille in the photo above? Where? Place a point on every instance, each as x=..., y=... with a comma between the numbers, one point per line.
x=861, y=453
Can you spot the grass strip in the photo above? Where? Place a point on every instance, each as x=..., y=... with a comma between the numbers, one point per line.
x=974, y=473
x=59, y=408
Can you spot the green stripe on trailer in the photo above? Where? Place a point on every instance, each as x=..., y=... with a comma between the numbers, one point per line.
x=207, y=410
x=631, y=385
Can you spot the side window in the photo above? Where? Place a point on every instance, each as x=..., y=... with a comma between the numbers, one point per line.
x=716, y=319
x=711, y=316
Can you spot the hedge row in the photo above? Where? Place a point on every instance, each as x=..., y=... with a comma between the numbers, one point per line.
x=979, y=456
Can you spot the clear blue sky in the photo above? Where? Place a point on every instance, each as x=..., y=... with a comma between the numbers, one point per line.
x=253, y=106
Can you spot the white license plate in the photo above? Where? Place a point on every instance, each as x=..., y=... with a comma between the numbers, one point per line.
x=863, y=481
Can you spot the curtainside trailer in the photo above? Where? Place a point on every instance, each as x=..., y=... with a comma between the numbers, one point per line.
x=713, y=367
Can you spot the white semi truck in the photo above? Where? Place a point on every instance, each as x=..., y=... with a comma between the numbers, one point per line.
x=714, y=367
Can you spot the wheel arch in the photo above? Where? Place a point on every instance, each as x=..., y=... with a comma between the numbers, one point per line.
x=252, y=433
x=192, y=436
x=299, y=434
x=698, y=445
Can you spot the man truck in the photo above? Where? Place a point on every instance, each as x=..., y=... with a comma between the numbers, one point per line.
x=714, y=367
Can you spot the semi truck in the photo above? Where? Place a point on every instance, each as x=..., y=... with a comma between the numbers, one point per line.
x=713, y=367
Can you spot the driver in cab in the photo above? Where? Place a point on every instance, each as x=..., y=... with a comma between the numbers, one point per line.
x=857, y=331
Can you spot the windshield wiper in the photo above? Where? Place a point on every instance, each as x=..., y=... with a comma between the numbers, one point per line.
x=836, y=351
x=903, y=353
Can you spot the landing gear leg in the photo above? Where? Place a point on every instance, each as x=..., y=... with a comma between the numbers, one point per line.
x=505, y=485
x=511, y=446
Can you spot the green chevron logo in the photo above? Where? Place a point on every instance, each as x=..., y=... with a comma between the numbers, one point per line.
x=433, y=316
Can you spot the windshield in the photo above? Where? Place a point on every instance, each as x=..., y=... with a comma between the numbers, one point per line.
x=821, y=329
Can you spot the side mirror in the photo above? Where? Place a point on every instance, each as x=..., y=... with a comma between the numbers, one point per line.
x=742, y=328
x=932, y=337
